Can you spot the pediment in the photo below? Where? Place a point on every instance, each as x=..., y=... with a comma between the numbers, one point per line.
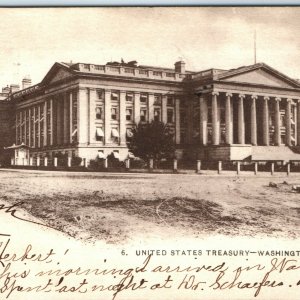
x=60, y=74
x=57, y=73
x=261, y=77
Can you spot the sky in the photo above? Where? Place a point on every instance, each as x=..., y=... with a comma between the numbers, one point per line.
x=33, y=39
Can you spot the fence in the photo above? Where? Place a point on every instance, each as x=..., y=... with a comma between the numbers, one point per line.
x=138, y=165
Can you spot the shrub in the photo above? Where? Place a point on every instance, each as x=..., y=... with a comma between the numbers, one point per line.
x=76, y=161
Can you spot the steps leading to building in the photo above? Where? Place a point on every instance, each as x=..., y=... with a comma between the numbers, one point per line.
x=275, y=153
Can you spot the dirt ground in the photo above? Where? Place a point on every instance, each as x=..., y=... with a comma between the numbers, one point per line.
x=118, y=208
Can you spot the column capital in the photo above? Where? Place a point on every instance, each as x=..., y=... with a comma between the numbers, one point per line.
x=229, y=95
x=266, y=98
x=242, y=96
x=298, y=101
x=277, y=99
x=136, y=92
x=289, y=100
x=215, y=93
x=123, y=92
x=254, y=97
x=106, y=91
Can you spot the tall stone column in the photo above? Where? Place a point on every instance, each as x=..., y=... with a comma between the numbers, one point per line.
x=190, y=119
x=203, y=119
x=177, y=120
x=266, y=121
x=51, y=122
x=288, y=122
x=277, y=122
x=215, y=121
x=151, y=107
x=298, y=122
x=241, y=120
x=45, y=123
x=39, y=126
x=34, y=132
x=66, y=119
x=122, y=118
x=25, y=126
x=107, y=117
x=253, y=121
x=164, y=109
x=29, y=127
x=137, y=108
x=20, y=126
x=82, y=116
x=58, y=120
x=92, y=115
x=228, y=120
x=71, y=116
x=17, y=128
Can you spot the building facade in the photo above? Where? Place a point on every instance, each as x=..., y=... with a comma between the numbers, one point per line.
x=88, y=110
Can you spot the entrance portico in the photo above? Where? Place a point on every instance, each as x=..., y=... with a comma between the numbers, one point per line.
x=250, y=106
x=259, y=119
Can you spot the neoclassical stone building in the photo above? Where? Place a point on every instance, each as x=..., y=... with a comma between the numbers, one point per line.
x=88, y=110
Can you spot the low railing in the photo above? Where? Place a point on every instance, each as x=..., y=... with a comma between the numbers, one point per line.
x=138, y=165
x=131, y=71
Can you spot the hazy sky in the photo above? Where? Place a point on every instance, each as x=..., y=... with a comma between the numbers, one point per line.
x=32, y=39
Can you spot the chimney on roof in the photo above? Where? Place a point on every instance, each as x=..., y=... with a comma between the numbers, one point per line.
x=6, y=90
x=26, y=82
x=180, y=67
x=14, y=88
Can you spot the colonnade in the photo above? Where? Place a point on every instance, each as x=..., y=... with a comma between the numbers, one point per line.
x=70, y=117
x=292, y=137
x=49, y=122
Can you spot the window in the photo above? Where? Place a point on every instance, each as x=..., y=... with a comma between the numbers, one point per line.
x=170, y=116
x=129, y=97
x=99, y=134
x=170, y=101
x=182, y=117
x=101, y=154
x=282, y=118
x=116, y=154
x=99, y=113
x=143, y=115
x=114, y=113
x=100, y=94
x=128, y=114
x=156, y=73
x=156, y=114
x=209, y=114
x=115, y=135
x=129, y=134
x=115, y=95
x=157, y=100
x=182, y=103
x=222, y=115
x=182, y=137
x=143, y=98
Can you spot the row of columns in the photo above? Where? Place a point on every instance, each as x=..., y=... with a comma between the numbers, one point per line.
x=87, y=125
x=56, y=125
x=62, y=125
x=241, y=121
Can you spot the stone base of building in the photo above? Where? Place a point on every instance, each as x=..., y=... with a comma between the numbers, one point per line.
x=239, y=152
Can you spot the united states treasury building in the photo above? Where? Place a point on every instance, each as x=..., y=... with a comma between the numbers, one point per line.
x=87, y=110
